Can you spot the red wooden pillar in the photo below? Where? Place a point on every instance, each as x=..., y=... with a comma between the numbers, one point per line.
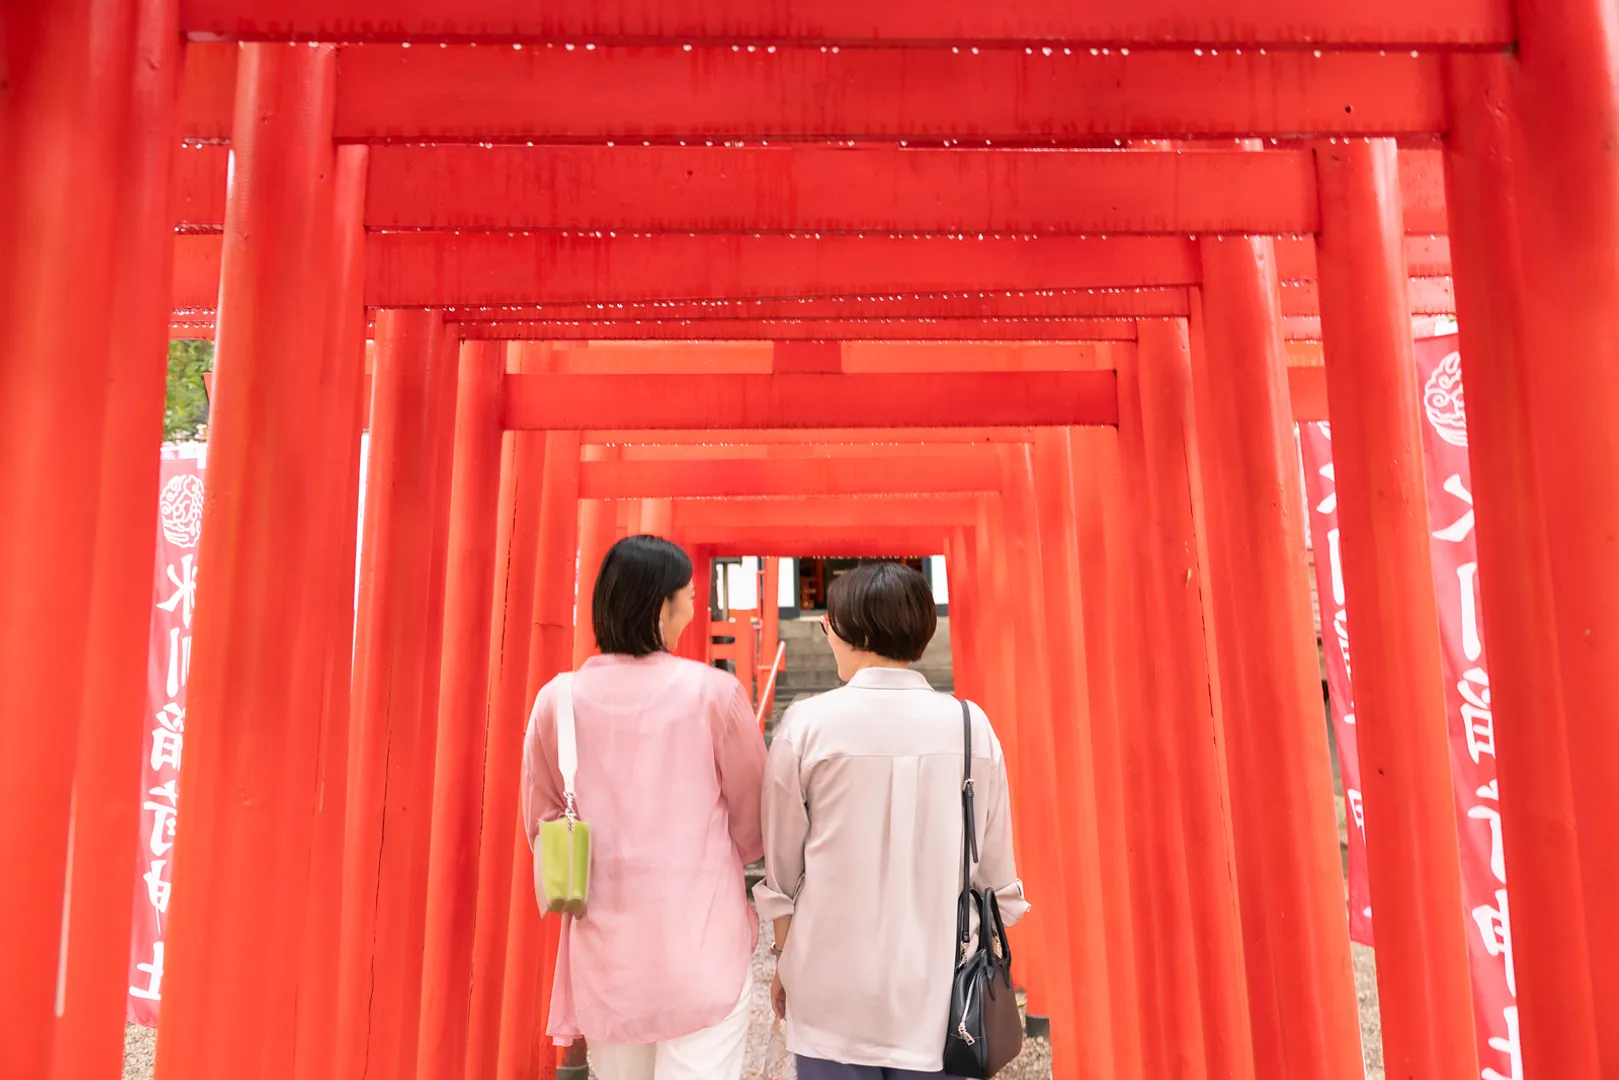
x=1286, y=833
x=332, y=664
x=1567, y=72
x=106, y=803
x=463, y=714
x=1163, y=374
x=516, y=558
x=525, y=1049
x=1075, y=787
x=657, y=517
x=68, y=85
x=963, y=664
x=597, y=533
x=1422, y=972
x=250, y=788
x=695, y=640
x=1049, y=868
x=1094, y=458
x=1557, y=1029
x=380, y=964
x=769, y=612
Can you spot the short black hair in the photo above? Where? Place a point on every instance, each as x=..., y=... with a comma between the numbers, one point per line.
x=637, y=576
x=884, y=608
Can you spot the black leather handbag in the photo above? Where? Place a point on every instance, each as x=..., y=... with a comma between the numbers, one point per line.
x=985, y=1031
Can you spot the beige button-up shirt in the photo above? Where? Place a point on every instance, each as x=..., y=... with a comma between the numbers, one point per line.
x=862, y=826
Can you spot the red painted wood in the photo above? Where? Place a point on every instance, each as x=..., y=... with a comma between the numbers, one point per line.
x=1006, y=95
x=1158, y=22
x=1093, y=458
x=517, y=545
x=1568, y=188
x=805, y=401
x=693, y=516
x=251, y=781
x=345, y=392
x=89, y=1037
x=1301, y=988
x=657, y=481
x=890, y=542
x=697, y=441
x=890, y=454
x=1423, y=980
x=384, y=813
x=1064, y=303
x=1002, y=330
x=1538, y=817
x=462, y=709
x=833, y=189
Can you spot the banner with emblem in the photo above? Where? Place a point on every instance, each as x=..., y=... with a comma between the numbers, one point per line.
x=1467, y=691
x=173, y=597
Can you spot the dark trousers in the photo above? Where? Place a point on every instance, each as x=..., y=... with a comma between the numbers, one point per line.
x=817, y=1069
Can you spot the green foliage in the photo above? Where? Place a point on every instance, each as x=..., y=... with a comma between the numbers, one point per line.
x=187, y=409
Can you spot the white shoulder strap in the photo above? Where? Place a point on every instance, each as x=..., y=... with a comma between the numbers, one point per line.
x=567, y=739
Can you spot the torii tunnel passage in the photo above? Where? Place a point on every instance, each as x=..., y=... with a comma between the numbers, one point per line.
x=1040, y=286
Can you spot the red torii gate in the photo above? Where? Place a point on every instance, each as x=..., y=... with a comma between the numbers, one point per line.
x=1531, y=197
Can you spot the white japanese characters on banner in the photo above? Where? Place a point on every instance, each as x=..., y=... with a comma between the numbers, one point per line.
x=174, y=596
x=1321, y=493
x=1467, y=689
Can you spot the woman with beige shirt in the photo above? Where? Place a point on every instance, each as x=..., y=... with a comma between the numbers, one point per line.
x=863, y=842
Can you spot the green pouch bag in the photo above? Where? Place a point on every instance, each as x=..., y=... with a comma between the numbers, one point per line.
x=562, y=849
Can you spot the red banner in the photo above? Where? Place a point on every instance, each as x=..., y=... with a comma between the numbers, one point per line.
x=1467, y=691
x=174, y=593
x=1321, y=492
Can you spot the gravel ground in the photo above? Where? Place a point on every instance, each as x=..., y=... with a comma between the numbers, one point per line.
x=766, y=1059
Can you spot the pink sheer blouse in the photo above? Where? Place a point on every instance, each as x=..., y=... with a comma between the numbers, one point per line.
x=670, y=768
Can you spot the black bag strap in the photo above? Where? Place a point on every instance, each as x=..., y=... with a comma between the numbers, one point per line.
x=969, y=836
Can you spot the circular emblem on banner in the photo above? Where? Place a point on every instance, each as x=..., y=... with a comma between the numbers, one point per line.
x=180, y=510
x=1442, y=398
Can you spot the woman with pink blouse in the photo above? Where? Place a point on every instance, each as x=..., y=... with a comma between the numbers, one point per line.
x=655, y=975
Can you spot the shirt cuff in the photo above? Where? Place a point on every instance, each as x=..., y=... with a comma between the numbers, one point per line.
x=772, y=905
x=1011, y=901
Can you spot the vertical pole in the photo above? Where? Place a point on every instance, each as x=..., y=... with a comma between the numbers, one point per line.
x=1094, y=472
x=1415, y=872
x=1163, y=376
x=344, y=393
x=770, y=610
x=1075, y=787
x=384, y=813
x=525, y=1051
x=89, y=1036
x=517, y=552
x=1567, y=73
x=657, y=517
x=62, y=134
x=1557, y=1028
x=695, y=641
x=1287, y=836
x=463, y=714
x=250, y=788
x=596, y=535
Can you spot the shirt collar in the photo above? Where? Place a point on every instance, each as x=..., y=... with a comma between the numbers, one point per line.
x=884, y=678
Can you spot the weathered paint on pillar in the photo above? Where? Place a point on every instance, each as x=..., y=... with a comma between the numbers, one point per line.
x=1557, y=1026
x=1170, y=434
x=62, y=136
x=1047, y=867
x=512, y=622
x=89, y=1033
x=1074, y=783
x=251, y=782
x=344, y=393
x=525, y=1048
x=384, y=811
x=463, y=714
x=1291, y=879
x=1094, y=473
x=1567, y=71
x=1415, y=875
x=1172, y=1020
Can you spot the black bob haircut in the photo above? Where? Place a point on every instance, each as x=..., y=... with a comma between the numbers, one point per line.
x=884, y=608
x=637, y=576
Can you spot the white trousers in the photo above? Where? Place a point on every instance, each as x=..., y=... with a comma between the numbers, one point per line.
x=714, y=1053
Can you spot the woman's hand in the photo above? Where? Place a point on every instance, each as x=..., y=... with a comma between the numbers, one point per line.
x=778, y=997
